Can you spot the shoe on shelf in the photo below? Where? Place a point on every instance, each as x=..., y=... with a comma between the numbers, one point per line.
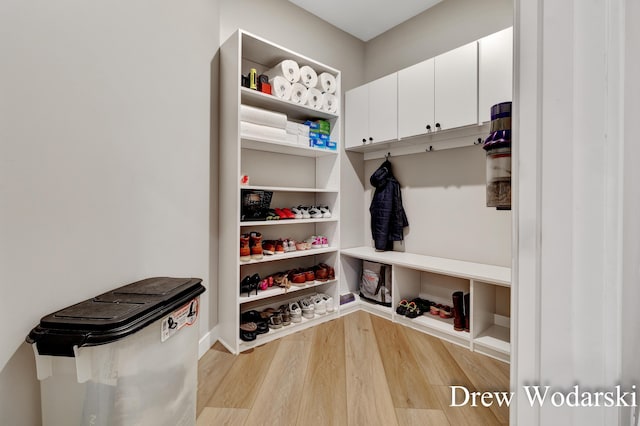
x=328, y=300
x=275, y=320
x=248, y=331
x=255, y=242
x=272, y=215
x=297, y=213
x=291, y=244
x=308, y=308
x=324, y=242
x=280, y=247
x=255, y=317
x=331, y=274
x=326, y=213
x=286, y=315
x=245, y=250
x=296, y=312
x=321, y=273
x=269, y=247
x=310, y=276
x=315, y=213
x=281, y=213
x=305, y=212
x=297, y=277
x=289, y=213
x=402, y=307
x=319, y=305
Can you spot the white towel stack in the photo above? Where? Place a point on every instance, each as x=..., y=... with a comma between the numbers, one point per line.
x=298, y=132
x=260, y=124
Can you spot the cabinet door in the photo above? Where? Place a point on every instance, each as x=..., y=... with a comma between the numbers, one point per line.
x=383, y=109
x=495, y=59
x=456, y=87
x=356, y=127
x=415, y=99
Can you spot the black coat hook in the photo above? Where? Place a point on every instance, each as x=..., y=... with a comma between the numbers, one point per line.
x=429, y=148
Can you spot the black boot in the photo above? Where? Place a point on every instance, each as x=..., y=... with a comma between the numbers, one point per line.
x=458, y=311
x=467, y=312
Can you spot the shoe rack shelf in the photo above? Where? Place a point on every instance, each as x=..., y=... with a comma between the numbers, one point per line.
x=278, y=291
x=296, y=174
x=435, y=279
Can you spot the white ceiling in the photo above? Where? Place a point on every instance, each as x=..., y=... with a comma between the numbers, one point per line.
x=365, y=19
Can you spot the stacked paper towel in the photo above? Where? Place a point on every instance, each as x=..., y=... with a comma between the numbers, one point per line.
x=260, y=124
x=297, y=133
x=303, y=85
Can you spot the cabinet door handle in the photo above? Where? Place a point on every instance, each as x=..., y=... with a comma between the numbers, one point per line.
x=370, y=139
x=437, y=125
x=364, y=140
x=428, y=126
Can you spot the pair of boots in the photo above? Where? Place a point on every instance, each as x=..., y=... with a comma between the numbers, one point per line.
x=250, y=246
x=461, y=311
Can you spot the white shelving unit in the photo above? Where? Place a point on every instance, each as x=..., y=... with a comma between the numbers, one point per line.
x=436, y=279
x=296, y=174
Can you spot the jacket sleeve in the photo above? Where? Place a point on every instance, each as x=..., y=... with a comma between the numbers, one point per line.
x=381, y=216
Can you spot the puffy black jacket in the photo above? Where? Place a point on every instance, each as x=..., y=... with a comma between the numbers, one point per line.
x=388, y=218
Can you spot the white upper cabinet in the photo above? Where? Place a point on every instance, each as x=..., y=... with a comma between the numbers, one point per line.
x=456, y=87
x=372, y=112
x=416, y=99
x=356, y=131
x=383, y=109
x=496, y=71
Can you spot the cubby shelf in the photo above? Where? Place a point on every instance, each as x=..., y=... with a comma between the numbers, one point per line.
x=289, y=189
x=286, y=222
x=285, y=148
x=291, y=255
x=435, y=278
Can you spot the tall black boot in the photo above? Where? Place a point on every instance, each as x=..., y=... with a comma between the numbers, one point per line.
x=467, y=312
x=458, y=311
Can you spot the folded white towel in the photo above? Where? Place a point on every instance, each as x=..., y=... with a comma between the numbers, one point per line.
x=281, y=88
x=308, y=76
x=327, y=83
x=288, y=69
x=263, y=117
x=262, y=133
x=299, y=93
x=314, y=100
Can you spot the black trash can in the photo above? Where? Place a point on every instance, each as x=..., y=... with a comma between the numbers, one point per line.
x=126, y=357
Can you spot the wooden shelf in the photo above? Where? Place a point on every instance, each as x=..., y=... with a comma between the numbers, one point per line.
x=285, y=148
x=456, y=268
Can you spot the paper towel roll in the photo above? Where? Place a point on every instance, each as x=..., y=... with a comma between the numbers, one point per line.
x=263, y=117
x=288, y=69
x=327, y=83
x=281, y=88
x=265, y=133
x=330, y=103
x=299, y=93
x=308, y=76
x=314, y=99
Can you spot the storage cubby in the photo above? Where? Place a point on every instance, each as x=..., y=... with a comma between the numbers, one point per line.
x=436, y=279
x=490, y=323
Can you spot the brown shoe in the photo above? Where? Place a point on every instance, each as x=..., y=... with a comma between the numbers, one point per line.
x=255, y=242
x=280, y=247
x=310, y=276
x=331, y=273
x=269, y=247
x=297, y=277
x=245, y=251
x=321, y=272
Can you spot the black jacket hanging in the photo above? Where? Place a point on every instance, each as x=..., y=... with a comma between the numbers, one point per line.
x=388, y=218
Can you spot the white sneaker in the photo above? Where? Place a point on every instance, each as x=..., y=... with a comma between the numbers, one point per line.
x=296, y=312
x=326, y=213
x=308, y=308
x=328, y=300
x=319, y=305
x=315, y=213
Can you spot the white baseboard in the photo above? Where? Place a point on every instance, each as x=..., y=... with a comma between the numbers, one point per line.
x=207, y=341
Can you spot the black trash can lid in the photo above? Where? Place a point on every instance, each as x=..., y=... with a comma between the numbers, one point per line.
x=113, y=315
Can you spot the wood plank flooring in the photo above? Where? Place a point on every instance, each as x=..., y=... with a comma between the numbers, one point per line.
x=357, y=370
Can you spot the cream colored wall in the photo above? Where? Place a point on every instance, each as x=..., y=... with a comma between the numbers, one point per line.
x=443, y=192
x=282, y=22
x=104, y=172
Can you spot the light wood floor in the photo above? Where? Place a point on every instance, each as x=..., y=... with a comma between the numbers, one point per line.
x=357, y=370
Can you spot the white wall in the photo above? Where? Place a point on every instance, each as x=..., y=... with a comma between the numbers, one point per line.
x=443, y=192
x=104, y=172
x=447, y=25
x=284, y=23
